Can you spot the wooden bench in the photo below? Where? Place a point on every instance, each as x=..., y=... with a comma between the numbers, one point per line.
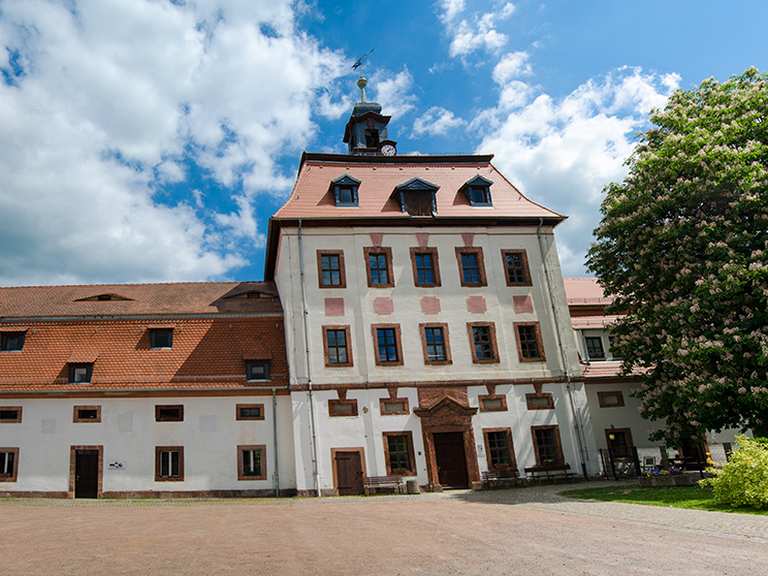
x=373, y=483
x=499, y=478
x=550, y=472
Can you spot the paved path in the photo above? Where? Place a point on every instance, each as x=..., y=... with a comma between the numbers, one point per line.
x=528, y=531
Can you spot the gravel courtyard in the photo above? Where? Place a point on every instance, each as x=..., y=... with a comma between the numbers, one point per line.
x=525, y=531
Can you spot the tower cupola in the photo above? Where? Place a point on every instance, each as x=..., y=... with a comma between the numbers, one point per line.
x=366, y=131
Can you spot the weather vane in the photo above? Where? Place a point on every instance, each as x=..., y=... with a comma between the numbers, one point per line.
x=362, y=82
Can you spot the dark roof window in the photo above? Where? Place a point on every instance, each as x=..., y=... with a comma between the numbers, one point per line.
x=345, y=191
x=418, y=197
x=161, y=337
x=12, y=341
x=80, y=373
x=258, y=370
x=478, y=191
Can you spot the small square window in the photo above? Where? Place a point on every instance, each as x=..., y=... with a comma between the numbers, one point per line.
x=169, y=413
x=249, y=412
x=80, y=373
x=483, y=342
x=12, y=341
x=161, y=337
x=610, y=399
x=10, y=414
x=544, y=401
x=258, y=370
x=529, y=342
x=493, y=403
x=86, y=414
x=169, y=463
x=252, y=462
x=392, y=407
x=342, y=407
x=594, y=347
x=9, y=464
x=516, y=267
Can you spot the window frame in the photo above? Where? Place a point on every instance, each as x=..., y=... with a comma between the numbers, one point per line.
x=398, y=344
x=19, y=414
x=6, y=335
x=540, y=396
x=526, y=267
x=423, y=327
x=558, y=446
x=342, y=269
x=486, y=191
x=161, y=407
x=592, y=338
x=251, y=362
x=379, y=250
x=72, y=366
x=158, y=465
x=326, y=349
x=240, y=417
x=484, y=398
x=408, y=435
x=478, y=252
x=153, y=333
x=539, y=342
x=77, y=419
x=603, y=394
x=14, y=474
x=404, y=403
x=418, y=250
x=510, y=447
x=494, y=344
x=262, y=449
x=334, y=402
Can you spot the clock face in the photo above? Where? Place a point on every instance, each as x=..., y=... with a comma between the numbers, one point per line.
x=388, y=150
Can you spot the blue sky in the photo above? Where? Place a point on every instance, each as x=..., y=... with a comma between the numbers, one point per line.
x=151, y=140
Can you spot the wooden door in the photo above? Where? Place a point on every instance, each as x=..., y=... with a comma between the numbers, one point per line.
x=349, y=473
x=619, y=443
x=451, y=459
x=86, y=474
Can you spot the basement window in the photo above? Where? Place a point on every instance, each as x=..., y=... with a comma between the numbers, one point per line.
x=342, y=407
x=392, y=407
x=10, y=414
x=544, y=401
x=249, y=412
x=169, y=413
x=85, y=414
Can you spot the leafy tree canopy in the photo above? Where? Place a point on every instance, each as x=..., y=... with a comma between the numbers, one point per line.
x=683, y=249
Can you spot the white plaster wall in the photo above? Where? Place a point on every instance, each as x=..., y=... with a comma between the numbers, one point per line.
x=128, y=432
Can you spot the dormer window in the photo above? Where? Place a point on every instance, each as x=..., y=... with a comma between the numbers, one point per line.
x=104, y=298
x=478, y=191
x=161, y=338
x=80, y=373
x=418, y=197
x=12, y=341
x=345, y=191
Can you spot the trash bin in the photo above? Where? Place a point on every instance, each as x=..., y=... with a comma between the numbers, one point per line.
x=412, y=487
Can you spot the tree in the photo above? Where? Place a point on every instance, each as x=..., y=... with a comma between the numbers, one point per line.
x=683, y=249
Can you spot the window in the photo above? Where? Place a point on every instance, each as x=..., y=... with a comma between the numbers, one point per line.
x=87, y=414
x=336, y=342
x=394, y=406
x=594, y=347
x=482, y=339
x=345, y=191
x=378, y=263
x=471, y=266
x=499, y=450
x=169, y=413
x=371, y=138
x=249, y=412
x=546, y=443
x=493, y=403
x=161, y=337
x=479, y=196
x=386, y=342
x=9, y=464
x=516, y=267
x=258, y=370
x=10, y=414
x=330, y=269
x=398, y=453
x=619, y=442
x=426, y=270
x=169, y=463
x=435, y=345
x=80, y=373
x=418, y=197
x=342, y=407
x=12, y=341
x=529, y=346
x=544, y=401
x=252, y=462
x=610, y=399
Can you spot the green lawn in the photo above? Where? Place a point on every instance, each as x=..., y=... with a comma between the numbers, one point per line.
x=673, y=496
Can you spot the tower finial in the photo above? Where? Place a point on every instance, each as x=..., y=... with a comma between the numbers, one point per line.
x=362, y=82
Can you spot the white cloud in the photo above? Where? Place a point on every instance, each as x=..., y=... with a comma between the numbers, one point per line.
x=98, y=122
x=510, y=66
x=435, y=122
x=561, y=152
x=479, y=32
x=393, y=92
x=450, y=9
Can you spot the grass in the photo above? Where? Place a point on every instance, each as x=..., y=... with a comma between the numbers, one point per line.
x=691, y=497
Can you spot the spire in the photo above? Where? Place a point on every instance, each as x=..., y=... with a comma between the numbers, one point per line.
x=366, y=131
x=362, y=82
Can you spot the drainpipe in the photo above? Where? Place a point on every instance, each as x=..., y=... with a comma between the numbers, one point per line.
x=276, y=476
x=310, y=398
x=563, y=357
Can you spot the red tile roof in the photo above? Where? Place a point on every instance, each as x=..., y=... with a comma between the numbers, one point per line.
x=584, y=291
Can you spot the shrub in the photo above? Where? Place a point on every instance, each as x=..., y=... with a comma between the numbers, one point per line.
x=743, y=481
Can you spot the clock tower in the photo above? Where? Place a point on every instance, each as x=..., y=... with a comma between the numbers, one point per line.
x=366, y=131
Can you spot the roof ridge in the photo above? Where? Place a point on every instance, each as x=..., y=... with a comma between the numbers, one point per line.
x=127, y=284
